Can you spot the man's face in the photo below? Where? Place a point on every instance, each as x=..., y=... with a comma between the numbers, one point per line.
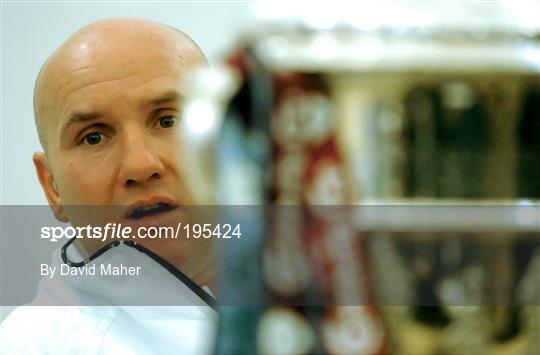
x=111, y=130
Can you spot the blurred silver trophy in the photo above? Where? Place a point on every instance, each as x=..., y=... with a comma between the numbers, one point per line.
x=401, y=142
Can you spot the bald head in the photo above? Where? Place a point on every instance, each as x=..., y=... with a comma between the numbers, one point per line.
x=106, y=50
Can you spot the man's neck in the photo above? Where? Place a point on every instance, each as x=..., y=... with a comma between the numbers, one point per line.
x=207, y=278
x=203, y=277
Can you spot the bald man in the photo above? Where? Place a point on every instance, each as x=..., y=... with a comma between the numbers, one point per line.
x=107, y=104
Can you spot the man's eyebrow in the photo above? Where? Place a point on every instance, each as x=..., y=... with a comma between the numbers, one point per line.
x=168, y=96
x=79, y=117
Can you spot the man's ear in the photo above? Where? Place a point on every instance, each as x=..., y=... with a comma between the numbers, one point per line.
x=46, y=180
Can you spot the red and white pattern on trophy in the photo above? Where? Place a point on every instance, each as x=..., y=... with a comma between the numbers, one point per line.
x=309, y=172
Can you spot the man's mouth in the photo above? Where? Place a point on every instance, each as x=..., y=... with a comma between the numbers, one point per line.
x=151, y=209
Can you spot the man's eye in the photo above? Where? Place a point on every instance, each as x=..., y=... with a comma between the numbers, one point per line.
x=93, y=138
x=166, y=121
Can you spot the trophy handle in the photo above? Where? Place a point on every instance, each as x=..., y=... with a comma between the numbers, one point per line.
x=210, y=91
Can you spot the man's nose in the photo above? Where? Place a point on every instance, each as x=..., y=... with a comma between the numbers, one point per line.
x=140, y=161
